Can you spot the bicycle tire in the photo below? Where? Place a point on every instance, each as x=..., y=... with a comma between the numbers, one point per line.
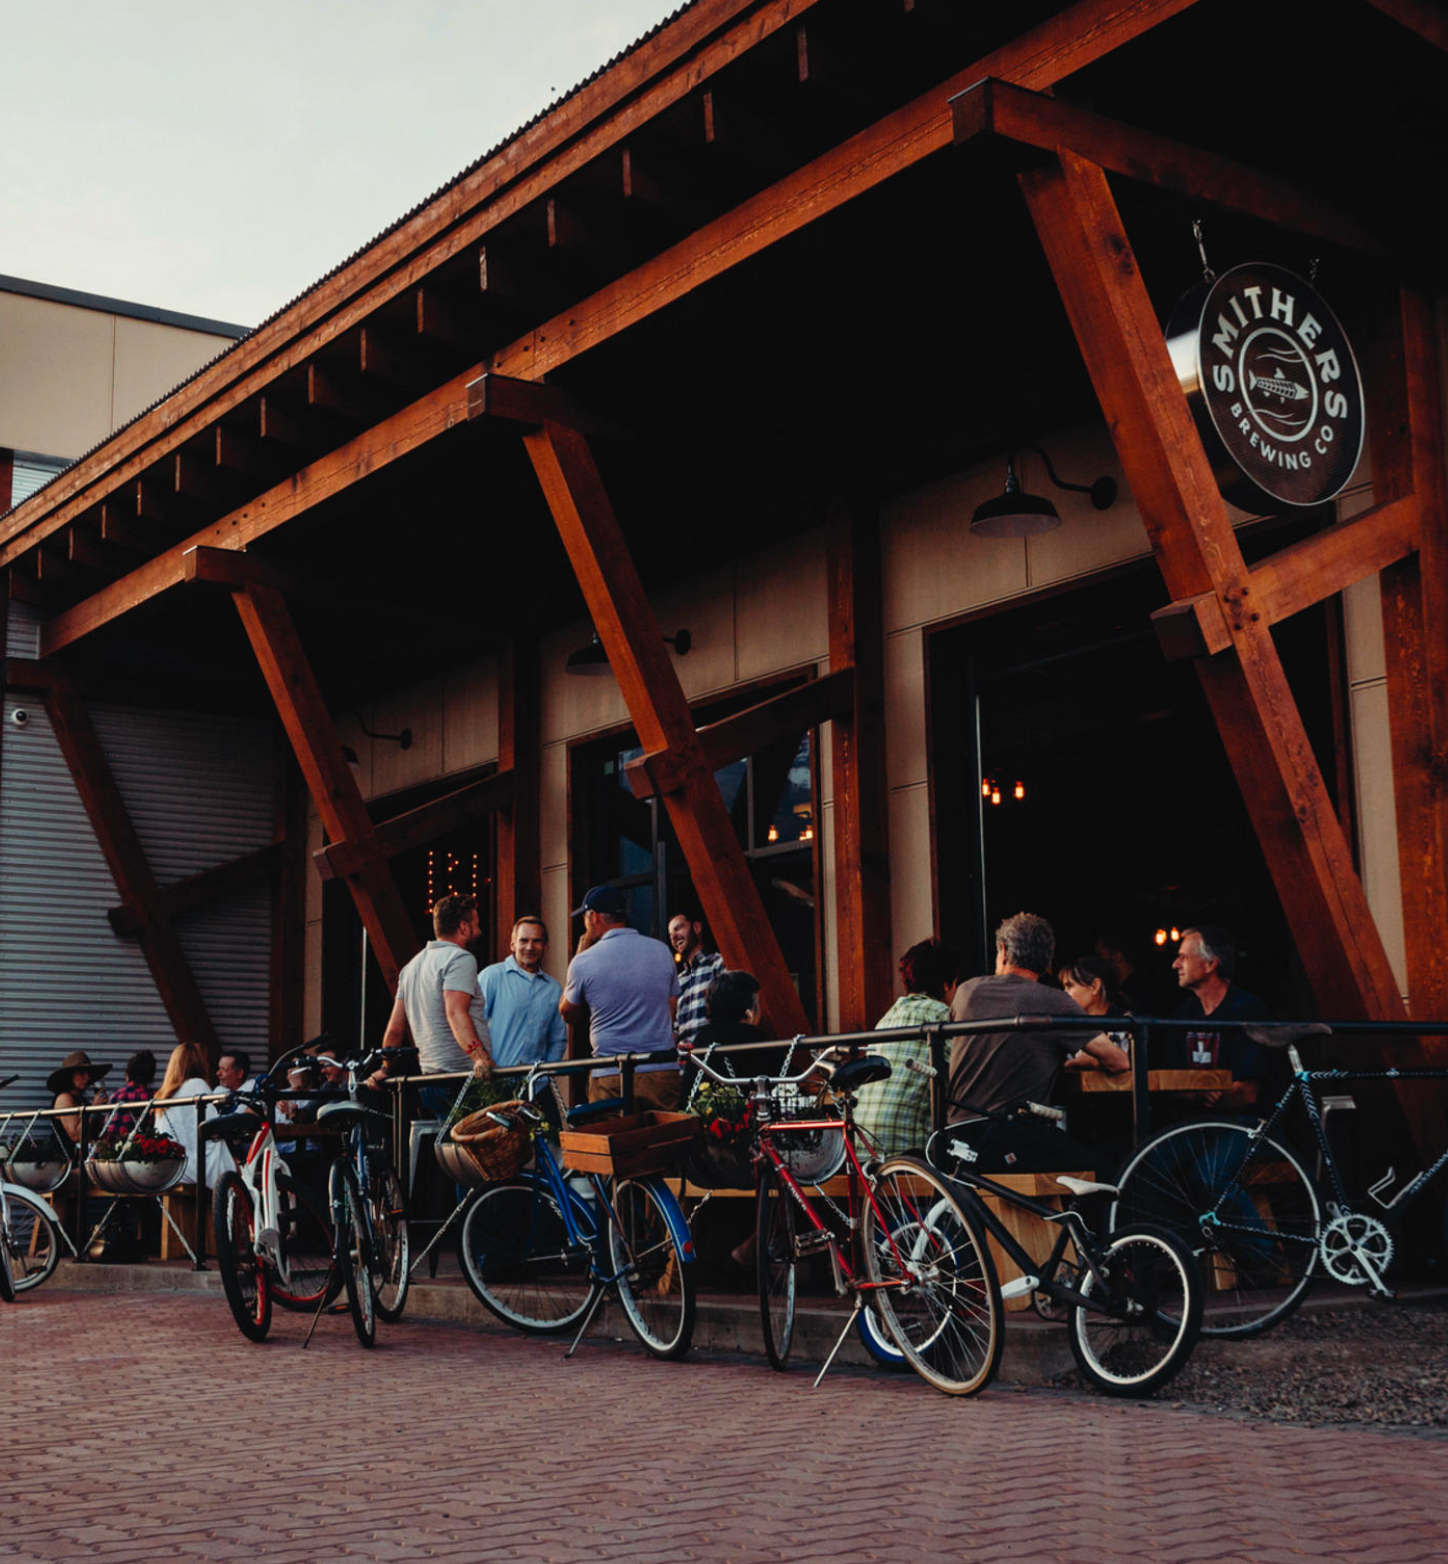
x=244, y=1277
x=877, y=1342
x=306, y=1247
x=390, y=1276
x=935, y=1284
x=1152, y=1280
x=354, y=1251
x=655, y=1282
x=517, y=1256
x=776, y=1263
x=34, y=1249
x=1259, y=1263
x=7, y=1280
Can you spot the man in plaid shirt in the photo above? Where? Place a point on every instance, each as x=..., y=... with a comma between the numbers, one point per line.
x=697, y=970
x=897, y=1111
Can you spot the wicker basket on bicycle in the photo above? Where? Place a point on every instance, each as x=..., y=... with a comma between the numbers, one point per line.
x=498, y=1150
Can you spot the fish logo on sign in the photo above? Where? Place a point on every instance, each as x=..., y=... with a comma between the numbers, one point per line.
x=1273, y=385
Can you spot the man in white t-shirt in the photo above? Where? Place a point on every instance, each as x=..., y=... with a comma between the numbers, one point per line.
x=437, y=996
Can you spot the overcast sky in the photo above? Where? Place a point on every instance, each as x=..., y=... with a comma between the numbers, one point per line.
x=220, y=158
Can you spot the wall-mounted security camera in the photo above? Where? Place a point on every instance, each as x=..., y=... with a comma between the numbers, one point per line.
x=20, y=717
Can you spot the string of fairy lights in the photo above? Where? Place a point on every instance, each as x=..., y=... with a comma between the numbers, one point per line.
x=451, y=873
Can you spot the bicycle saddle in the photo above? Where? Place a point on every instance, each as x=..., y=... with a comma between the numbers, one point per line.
x=350, y=1113
x=232, y=1126
x=1280, y=1034
x=854, y=1073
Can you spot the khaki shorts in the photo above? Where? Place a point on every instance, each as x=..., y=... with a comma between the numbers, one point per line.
x=661, y=1089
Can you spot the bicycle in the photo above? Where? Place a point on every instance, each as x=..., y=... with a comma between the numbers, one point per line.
x=542, y=1255
x=369, y=1215
x=1132, y=1299
x=1260, y=1226
x=30, y=1231
x=272, y=1244
x=904, y=1246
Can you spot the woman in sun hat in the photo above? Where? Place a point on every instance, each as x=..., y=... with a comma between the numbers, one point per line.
x=71, y=1084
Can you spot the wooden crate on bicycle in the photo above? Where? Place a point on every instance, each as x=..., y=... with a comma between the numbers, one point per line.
x=630, y=1147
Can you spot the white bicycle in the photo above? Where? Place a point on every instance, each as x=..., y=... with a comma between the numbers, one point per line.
x=33, y=1163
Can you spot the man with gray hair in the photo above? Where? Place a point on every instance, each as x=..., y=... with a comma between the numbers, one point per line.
x=1205, y=964
x=994, y=1072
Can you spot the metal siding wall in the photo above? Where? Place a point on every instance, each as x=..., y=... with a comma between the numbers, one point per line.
x=199, y=790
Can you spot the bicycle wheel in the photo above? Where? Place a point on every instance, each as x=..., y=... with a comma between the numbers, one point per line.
x=775, y=1259
x=389, y=1225
x=655, y=1281
x=244, y=1276
x=1252, y=1225
x=1149, y=1315
x=7, y=1280
x=33, y=1251
x=307, y=1270
x=354, y=1251
x=935, y=1285
x=520, y=1260
x=876, y=1341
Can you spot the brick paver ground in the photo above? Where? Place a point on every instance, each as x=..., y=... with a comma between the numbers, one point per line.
x=143, y=1427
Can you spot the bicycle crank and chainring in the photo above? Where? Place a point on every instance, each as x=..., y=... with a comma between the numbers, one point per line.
x=1356, y=1248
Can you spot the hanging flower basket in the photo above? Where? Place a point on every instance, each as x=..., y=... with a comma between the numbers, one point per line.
x=136, y=1164
x=722, y=1157
x=36, y=1161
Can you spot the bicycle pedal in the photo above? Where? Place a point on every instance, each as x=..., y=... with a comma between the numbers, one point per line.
x=811, y=1242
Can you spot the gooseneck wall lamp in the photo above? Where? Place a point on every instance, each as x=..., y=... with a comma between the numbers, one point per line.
x=591, y=661
x=1016, y=514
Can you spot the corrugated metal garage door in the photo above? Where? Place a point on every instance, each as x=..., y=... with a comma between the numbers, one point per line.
x=199, y=790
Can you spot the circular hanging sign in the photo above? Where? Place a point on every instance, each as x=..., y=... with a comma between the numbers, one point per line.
x=1273, y=386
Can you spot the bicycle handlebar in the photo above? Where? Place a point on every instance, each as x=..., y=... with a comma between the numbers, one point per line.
x=687, y=1052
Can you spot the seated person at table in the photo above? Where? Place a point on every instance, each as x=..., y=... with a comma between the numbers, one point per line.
x=1205, y=963
x=188, y=1075
x=731, y=1015
x=897, y=1111
x=995, y=1072
x=1090, y=981
x=71, y=1084
x=139, y=1083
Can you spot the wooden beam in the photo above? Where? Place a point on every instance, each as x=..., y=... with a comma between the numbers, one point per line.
x=1186, y=518
x=770, y=721
x=1294, y=578
x=1407, y=458
x=518, y=873
x=375, y=448
x=866, y=978
x=126, y=861
x=277, y=423
x=1424, y=17
x=424, y=824
x=1006, y=112
x=530, y=404
x=329, y=779
x=233, y=569
x=650, y=688
x=234, y=450
x=239, y=874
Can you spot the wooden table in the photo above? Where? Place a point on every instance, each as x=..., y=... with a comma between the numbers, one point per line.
x=1156, y=1080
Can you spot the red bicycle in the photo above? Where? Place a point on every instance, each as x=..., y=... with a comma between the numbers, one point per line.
x=902, y=1246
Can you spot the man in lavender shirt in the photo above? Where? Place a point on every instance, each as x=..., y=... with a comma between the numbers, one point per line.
x=629, y=987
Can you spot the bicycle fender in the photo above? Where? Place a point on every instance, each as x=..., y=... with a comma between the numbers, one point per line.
x=669, y=1205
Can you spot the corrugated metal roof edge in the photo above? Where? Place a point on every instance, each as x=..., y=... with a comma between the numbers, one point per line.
x=391, y=228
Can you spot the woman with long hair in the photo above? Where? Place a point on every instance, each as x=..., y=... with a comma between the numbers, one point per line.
x=188, y=1075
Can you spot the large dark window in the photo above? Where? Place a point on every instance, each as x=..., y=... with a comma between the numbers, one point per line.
x=622, y=840
x=355, y=1000
x=1079, y=774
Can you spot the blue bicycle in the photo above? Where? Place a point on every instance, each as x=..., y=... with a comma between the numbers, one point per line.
x=543, y=1249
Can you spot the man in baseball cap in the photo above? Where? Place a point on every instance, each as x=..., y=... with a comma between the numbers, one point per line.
x=628, y=986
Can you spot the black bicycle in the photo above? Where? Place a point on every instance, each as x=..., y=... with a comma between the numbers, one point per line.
x=1132, y=1299
x=1260, y=1226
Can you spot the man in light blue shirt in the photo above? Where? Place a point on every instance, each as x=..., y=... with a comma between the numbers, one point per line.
x=629, y=988
x=522, y=1000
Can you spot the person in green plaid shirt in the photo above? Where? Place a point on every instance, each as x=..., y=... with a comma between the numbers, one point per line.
x=897, y=1111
